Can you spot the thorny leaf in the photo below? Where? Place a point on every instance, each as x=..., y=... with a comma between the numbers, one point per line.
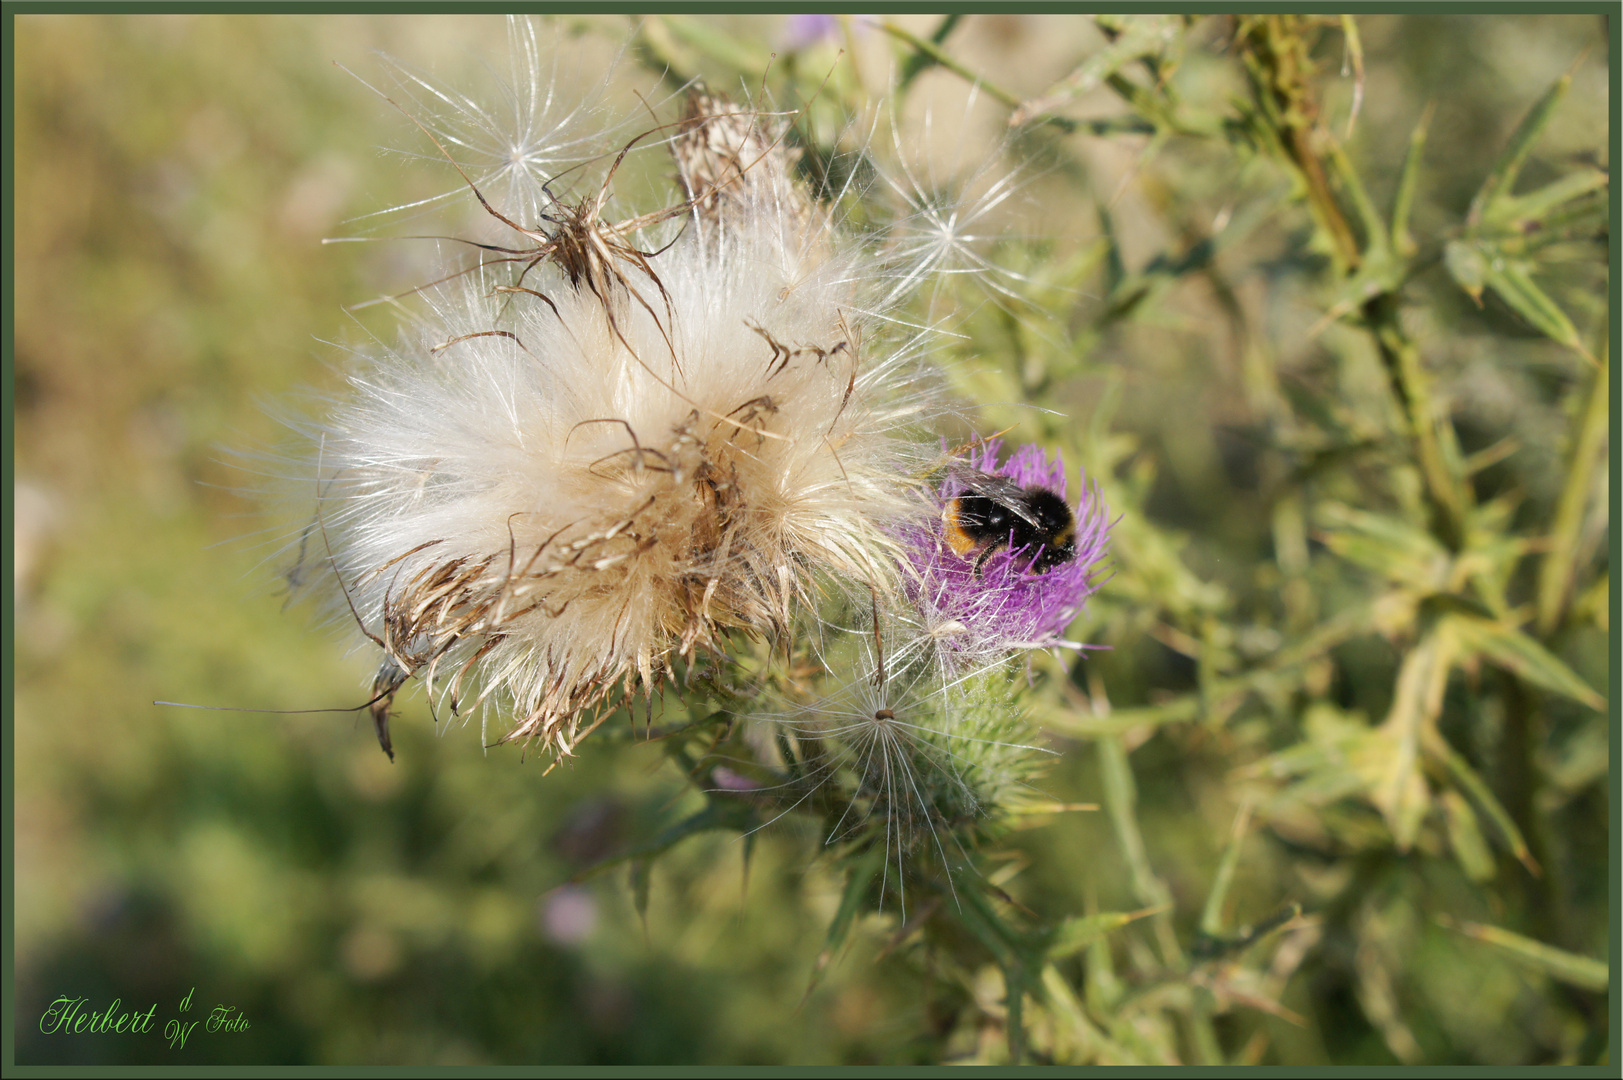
x=1393, y=610
x=1525, y=213
x=1078, y=1040
x=1567, y=967
x=1502, y=176
x=1498, y=223
x=1015, y=954
x=1397, y=550
x=1467, y=266
x=1491, y=553
x=1514, y=651
x=1343, y=758
x=1211, y=948
x=1512, y=283
x=1400, y=791
x=1073, y=935
x=1465, y=838
x=1211, y=919
x=1460, y=772
x=1560, y=564
x=1137, y=37
x=1402, y=204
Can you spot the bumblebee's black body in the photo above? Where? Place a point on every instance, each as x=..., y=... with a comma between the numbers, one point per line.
x=994, y=514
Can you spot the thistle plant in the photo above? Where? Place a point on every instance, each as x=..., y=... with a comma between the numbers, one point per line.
x=690, y=455
x=1074, y=540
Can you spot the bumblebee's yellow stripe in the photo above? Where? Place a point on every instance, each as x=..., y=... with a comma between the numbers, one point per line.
x=957, y=539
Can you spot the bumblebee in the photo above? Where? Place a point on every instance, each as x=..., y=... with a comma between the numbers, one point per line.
x=994, y=514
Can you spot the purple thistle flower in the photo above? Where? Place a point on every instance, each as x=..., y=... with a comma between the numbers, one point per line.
x=977, y=618
x=804, y=31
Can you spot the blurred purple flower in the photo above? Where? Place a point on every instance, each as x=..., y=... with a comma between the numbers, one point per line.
x=804, y=31
x=569, y=915
x=727, y=780
x=975, y=619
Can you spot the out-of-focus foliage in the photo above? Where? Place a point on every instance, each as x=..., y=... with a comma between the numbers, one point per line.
x=1321, y=303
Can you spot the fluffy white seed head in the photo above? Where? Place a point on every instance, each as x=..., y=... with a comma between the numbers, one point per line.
x=609, y=446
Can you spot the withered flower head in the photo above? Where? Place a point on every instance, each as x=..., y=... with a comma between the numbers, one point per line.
x=613, y=443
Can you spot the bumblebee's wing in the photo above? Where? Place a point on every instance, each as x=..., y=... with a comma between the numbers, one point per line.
x=1001, y=490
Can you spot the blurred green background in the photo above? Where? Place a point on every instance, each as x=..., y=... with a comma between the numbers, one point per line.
x=174, y=178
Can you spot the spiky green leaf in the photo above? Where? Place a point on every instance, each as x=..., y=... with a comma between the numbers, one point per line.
x=1073, y=935
x=1571, y=968
x=1511, y=282
x=1467, y=266
x=1513, y=650
x=1502, y=177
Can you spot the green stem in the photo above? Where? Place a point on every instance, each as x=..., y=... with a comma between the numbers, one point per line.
x=1014, y=983
x=1413, y=390
x=1281, y=69
x=1557, y=570
x=934, y=54
x=1121, y=803
x=1408, y=179
x=1518, y=783
x=921, y=61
